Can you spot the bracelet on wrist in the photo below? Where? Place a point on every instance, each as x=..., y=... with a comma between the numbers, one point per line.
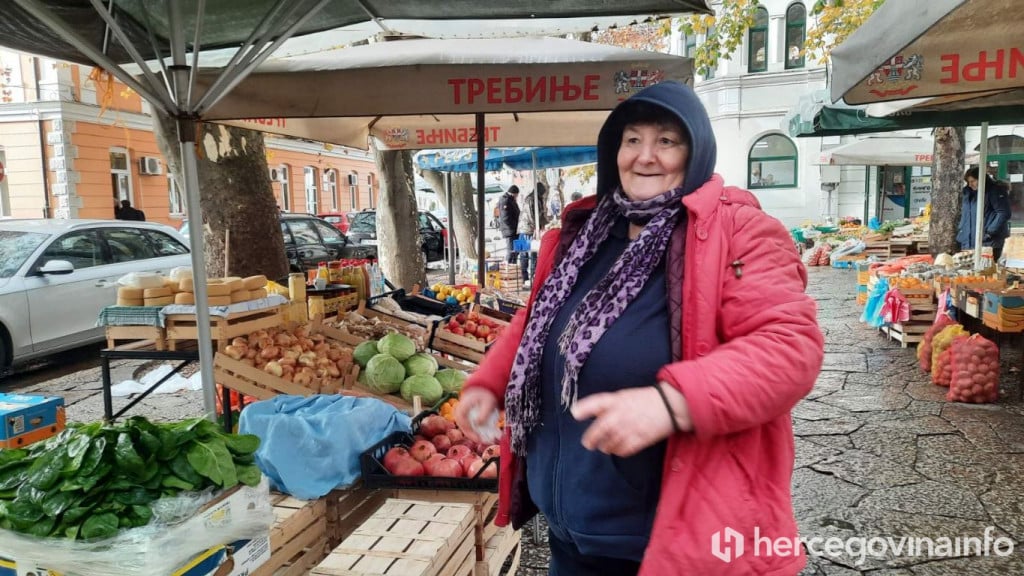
x=668, y=407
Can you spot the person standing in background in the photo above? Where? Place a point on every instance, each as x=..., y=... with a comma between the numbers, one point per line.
x=128, y=213
x=508, y=220
x=997, y=214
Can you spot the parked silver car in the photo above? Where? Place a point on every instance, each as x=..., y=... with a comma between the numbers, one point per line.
x=56, y=276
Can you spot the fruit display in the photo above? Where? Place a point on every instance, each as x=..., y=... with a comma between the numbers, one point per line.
x=910, y=283
x=975, y=370
x=375, y=328
x=392, y=365
x=294, y=355
x=451, y=294
x=440, y=449
x=474, y=326
x=92, y=480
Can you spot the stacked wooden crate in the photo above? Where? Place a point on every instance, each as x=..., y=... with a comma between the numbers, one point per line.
x=922, y=315
x=299, y=538
x=407, y=538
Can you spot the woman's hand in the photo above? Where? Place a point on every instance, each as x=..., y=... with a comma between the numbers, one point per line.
x=481, y=404
x=627, y=421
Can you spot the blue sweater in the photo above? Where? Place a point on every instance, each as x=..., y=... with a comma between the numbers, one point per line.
x=603, y=504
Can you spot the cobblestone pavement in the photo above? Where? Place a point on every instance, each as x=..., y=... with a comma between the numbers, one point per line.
x=879, y=452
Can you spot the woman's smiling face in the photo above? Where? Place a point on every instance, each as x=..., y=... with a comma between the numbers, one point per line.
x=651, y=160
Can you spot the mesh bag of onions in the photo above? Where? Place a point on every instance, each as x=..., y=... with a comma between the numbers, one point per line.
x=924, y=349
x=975, y=370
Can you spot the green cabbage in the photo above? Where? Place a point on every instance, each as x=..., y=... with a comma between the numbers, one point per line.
x=426, y=387
x=397, y=345
x=364, y=352
x=420, y=363
x=451, y=380
x=384, y=374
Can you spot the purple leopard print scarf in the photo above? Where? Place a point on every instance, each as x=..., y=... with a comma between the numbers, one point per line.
x=599, y=308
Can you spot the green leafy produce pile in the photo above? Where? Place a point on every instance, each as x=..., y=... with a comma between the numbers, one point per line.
x=92, y=480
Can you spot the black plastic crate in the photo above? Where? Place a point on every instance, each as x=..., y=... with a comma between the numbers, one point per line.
x=375, y=475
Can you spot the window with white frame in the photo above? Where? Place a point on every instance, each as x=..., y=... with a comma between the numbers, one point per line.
x=121, y=175
x=284, y=175
x=176, y=199
x=331, y=187
x=311, y=189
x=369, y=185
x=353, y=189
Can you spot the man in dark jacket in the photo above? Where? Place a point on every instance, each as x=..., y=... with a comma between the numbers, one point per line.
x=128, y=213
x=997, y=214
x=508, y=220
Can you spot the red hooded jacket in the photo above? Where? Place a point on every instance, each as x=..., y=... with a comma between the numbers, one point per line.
x=751, y=349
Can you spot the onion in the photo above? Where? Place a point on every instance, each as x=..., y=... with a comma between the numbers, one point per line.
x=301, y=331
x=274, y=368
x=251, y=353
x=239, y=341
x=270, y=353
x=235, y=352
x=283, y=340
x=287, y=361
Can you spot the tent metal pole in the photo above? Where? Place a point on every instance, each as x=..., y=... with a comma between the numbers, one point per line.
x=214, y=94
x=481, y=258
x=158, y=98
x=867, y=195
x=451, y=231
x=113, y=27
x=979, y=216
x=536, y=199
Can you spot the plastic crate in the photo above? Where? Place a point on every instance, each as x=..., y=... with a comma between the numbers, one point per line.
x=509, y=307
x=376, y=476
x=521, y=244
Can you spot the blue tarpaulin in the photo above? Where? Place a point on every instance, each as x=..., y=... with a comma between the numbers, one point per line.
x=464, y=160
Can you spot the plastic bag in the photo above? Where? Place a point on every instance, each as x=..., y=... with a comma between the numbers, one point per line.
x=975, y=370
x=142, y=280
x=872, y=315
x=180, y=273
x=924, y=349
x=181, y=529
x=941, y=342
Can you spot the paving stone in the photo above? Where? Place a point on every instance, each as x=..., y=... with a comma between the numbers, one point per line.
x=836, y=441
x=843, y=425
x=868, y=470
x=827, y=383
x=816, y=410
x=845, y=362
x=816, y=494
x=923, y=390
x=861, y=398
x=927, y=497
x=808, y=453
x=1005, y=504
x=951, y=459
x=1013, y=564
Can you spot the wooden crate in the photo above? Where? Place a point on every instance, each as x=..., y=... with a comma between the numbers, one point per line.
x=407, y=538
x=299, y=538
x=504, y=544
x=252, y=381
x=155, y=334
x=222, y=329
x=908, y=333
x=347, y=510
x=485, y=508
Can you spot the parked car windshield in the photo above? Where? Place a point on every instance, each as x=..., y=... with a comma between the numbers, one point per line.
x=363, y=222
x=15, y=248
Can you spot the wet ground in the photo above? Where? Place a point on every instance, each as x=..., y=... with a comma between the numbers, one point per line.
x=880, y=453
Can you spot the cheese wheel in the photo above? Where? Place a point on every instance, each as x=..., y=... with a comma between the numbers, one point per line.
x=255, y=282
x=129, y=301
x=235, y=284
x=257, y=294
x=219, y=300
x=125, y=293
x=186, y=285
x=218, y=290
x=157, y=293
x=239, y=296
x=186, y=298
x=160, y=301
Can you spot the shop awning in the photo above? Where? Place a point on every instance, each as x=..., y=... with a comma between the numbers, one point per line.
x=880, y=151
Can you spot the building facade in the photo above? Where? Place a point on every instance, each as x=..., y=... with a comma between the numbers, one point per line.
x=748, y=97
x=73, y=141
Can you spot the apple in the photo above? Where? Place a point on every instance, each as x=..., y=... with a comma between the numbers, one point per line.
x=460, y=317
x=422, y=450
x=470, y=327
x=483, y=330
x=458, y=331
x=442, y=442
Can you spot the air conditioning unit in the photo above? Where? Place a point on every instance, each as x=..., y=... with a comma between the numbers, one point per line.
x=150, y=166
x=275, y=175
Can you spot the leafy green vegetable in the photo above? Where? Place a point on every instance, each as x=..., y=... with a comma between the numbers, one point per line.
x=92, y=480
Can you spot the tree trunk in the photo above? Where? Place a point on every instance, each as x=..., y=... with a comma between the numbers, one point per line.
x=398, y=232
x=462, y=218
x=234, y=194
x=947, y=182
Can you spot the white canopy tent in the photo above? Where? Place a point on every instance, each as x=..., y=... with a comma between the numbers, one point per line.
x=880, y=151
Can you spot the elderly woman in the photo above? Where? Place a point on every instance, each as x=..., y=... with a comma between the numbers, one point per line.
x=649, y=382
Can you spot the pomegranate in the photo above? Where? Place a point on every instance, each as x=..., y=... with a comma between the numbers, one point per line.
x=431, y=463
x=393, y=455
x=407, y=467
x=433, y=425
x=492, y=451
x=471, y=465
x=422, y=449
x=460, y=451
x=447, y=467
x=442, y=442
x=455, y=435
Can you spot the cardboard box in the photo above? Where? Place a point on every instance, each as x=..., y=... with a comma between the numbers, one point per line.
x=29, y=419
x=244, y=555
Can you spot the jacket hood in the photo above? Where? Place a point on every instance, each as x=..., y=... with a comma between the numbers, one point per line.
x=680, y=100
